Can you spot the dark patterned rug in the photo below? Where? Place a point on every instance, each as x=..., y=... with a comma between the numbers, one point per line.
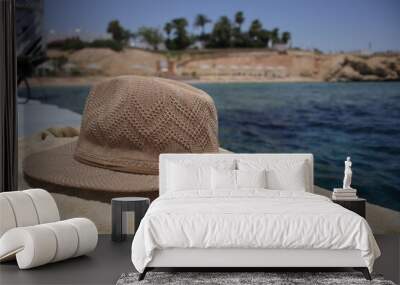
x=273, y=278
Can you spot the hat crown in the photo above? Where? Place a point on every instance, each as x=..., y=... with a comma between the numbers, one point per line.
x=129, y=120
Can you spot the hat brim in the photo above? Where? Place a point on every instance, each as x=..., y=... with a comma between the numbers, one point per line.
x=57, y=171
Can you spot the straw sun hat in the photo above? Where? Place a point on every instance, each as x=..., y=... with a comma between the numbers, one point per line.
x=127, y=122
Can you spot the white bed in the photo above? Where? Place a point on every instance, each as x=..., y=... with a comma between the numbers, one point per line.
x=248, y=227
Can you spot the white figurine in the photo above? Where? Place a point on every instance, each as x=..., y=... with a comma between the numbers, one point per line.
x=348, y=173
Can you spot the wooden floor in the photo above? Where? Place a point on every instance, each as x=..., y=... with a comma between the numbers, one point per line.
x=110, y=260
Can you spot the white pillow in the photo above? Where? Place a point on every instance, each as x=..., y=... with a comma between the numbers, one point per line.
x=193, y=175
x=251, y=178
x=223, y=179
x=183, y=178
x=281, y=174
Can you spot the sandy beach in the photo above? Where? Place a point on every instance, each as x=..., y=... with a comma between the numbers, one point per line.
x=90, y=65
x=65, y=81
x=91, y=80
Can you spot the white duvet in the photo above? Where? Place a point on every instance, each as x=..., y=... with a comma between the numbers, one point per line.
x=250, y=219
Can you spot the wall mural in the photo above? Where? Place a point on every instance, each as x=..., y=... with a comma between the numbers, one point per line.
x=272, y=92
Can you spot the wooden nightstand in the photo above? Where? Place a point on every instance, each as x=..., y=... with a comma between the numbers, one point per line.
x=356, y=205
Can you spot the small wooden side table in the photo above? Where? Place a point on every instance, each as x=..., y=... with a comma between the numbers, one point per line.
x=139, y=205
x=356, y=205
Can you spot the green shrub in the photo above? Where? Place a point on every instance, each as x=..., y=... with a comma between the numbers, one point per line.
x=74, y=43
x=76, y=72
x=111, y=44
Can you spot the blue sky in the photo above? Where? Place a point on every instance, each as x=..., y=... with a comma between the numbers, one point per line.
x=326, y=25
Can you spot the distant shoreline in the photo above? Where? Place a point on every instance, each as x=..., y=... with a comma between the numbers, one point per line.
x=65, y=81
x=88, y=66
x=90, y=80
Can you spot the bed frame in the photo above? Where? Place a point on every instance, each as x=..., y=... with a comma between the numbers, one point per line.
x=246, y=259
x=249, y=259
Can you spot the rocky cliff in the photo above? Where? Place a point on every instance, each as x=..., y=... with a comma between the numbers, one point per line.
x=233, y=65
x=362, y=68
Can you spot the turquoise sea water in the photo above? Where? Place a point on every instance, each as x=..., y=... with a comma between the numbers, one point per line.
x=330, y=120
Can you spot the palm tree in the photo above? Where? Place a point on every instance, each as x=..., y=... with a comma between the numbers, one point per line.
x=286, y=37
x=239, y=19
x=275, y=35
x=152, y=36
x=255, y=29
x=201, y=21
x=181, y=38
x=179, y=24
x=168, y=29
x=118, y=32
x=221, y=35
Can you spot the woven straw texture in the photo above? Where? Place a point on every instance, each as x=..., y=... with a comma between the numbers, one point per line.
x=57, y=171
x=128, y=121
